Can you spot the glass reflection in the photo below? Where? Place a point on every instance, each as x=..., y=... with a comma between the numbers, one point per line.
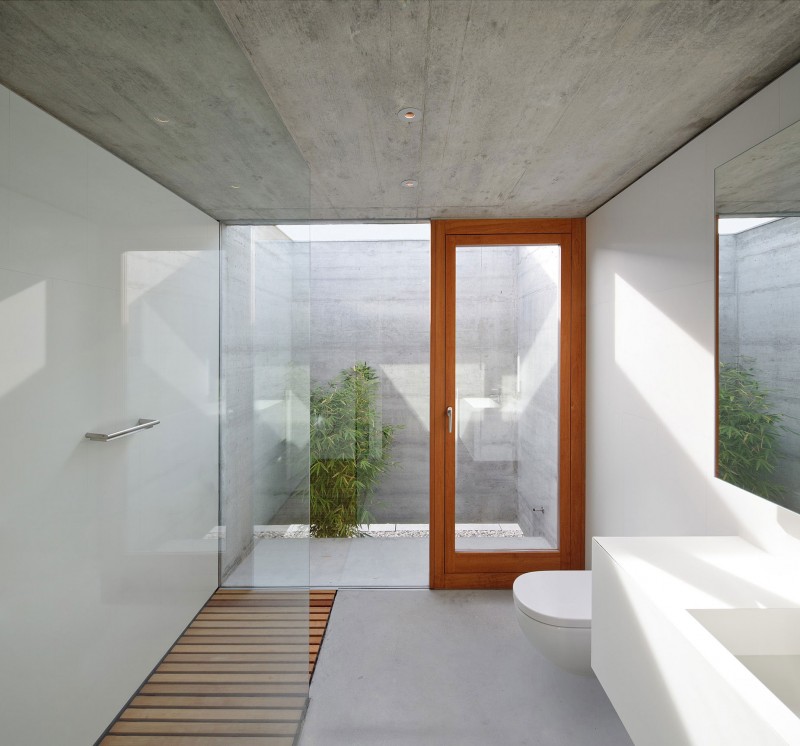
x=758, y=434
x=508, y=303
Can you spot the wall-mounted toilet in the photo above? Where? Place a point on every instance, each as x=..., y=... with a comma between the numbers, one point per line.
x=554, y=609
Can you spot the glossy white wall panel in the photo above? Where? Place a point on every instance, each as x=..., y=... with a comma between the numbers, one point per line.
x=108, y=312
x=47, y=161
x=115, y=185
x=650, y=346
x=31, y=247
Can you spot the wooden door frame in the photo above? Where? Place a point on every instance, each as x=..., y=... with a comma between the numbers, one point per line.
x=571, y=553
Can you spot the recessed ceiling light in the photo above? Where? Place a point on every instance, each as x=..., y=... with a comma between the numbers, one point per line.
x=409, y=115
x=409, y=183
x=235, y=186
x=161, y=120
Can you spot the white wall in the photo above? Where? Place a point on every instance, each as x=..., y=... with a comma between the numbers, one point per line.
x=650, y=346
x=108, y=313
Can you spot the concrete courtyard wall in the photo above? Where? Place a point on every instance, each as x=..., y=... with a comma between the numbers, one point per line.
x=486, y=367
x=370, y=302
x=538, y=329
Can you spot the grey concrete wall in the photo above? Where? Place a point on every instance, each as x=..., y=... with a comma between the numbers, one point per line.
x=370, y=301
x=728, y=300
x=538, y=313
x=280, y=397
x=763, y=321
x=293, y=504
x=264, y=439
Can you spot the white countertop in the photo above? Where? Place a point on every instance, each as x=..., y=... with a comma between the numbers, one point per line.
x=665, y=580
x=706, y=572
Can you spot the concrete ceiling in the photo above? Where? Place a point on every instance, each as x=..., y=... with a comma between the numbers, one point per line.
x=530, y=108
x=764, y=180
x=109, y=68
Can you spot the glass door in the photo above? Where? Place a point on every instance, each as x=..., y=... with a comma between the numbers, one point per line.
x=508, y=504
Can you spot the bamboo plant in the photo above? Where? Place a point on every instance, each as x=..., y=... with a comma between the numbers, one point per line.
x=350, y=451
x=748, y=432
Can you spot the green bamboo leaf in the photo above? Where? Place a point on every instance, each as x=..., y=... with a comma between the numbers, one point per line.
x=748, y=431
x=350, y=450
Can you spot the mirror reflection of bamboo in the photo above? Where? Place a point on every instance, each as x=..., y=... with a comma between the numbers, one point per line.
x=748, y=431
x=350, y=451
x=757, y=203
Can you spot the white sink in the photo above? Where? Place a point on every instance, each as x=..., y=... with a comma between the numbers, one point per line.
x=765, y=641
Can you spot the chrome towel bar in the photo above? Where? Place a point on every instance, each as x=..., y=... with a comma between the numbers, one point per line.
x=140, y=425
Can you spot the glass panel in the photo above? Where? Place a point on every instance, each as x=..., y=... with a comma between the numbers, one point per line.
x=369, y=306
x=265, y=385
x=264, y=434
x=508, y=307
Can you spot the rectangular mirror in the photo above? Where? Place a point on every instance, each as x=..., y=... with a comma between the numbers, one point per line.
x=757, y=201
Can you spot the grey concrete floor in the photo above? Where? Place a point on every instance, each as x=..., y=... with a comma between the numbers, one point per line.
x=335, y=563
x=446, y=668
x=369, y=561
x=365, y=562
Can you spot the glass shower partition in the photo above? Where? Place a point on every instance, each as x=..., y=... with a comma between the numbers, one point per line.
x=265, y=399
x=264, y=424
x=264, y=450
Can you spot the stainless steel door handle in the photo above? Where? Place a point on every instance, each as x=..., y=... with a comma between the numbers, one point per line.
x=449, y=419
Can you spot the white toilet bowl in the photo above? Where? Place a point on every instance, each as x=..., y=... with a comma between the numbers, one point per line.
x=554, y=610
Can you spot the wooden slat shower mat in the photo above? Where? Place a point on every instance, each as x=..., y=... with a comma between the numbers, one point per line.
x=238, y=675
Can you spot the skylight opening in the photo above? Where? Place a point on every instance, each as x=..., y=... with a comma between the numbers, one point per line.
x=732, y=226
x=319, y=233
